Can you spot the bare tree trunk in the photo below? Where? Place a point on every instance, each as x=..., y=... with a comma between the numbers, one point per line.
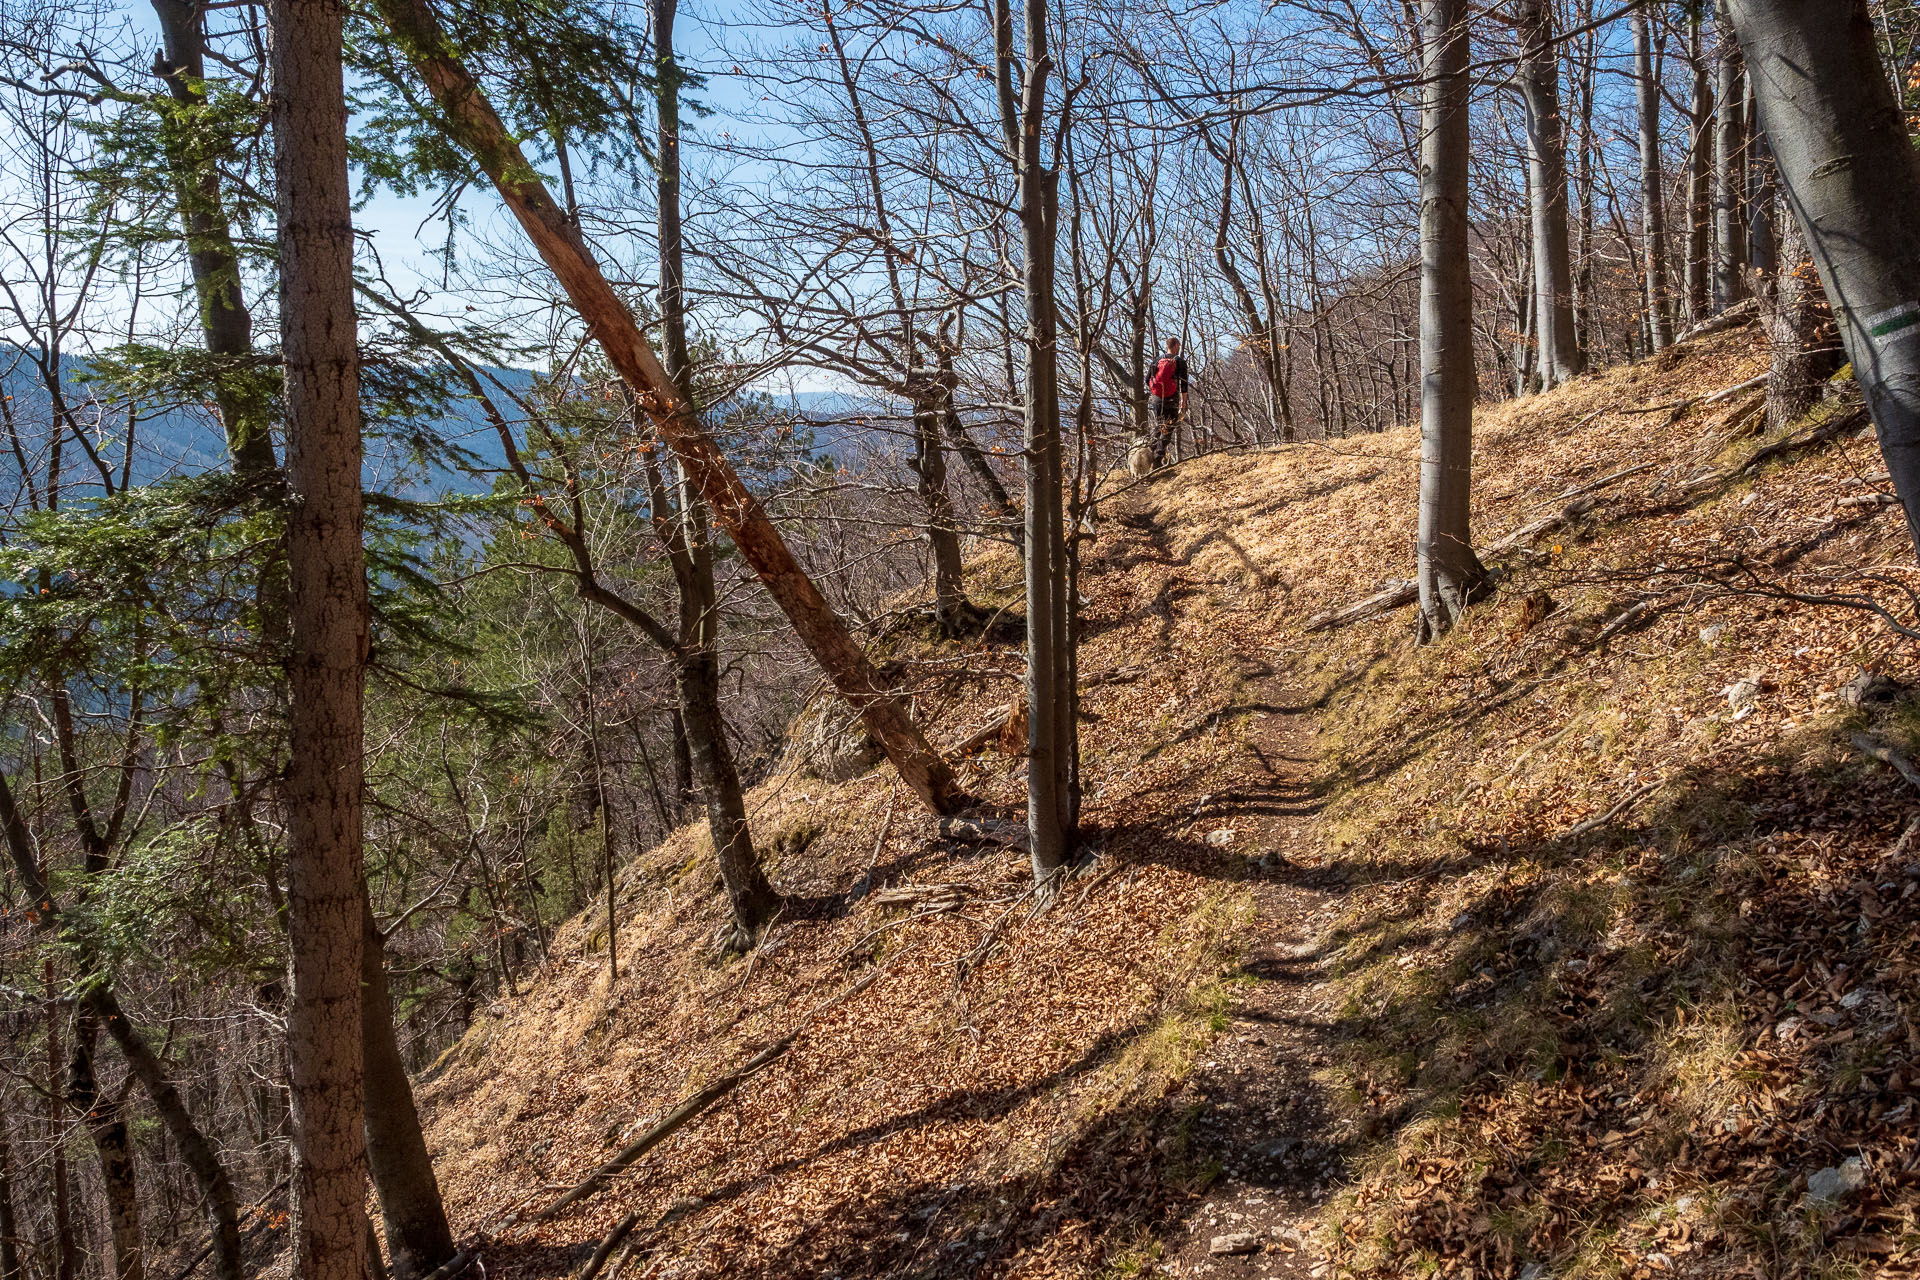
x=107, y=1126
x=470, y=120
x=1729, y=173
x=1539, y=81
x=196, y=1150
x=696, y=671
x=225, y=324
x=1450, y=574
x=1763, y=194
x=696, y=655
x=1699, y=178
x=418, y=1237
x=950, y=604
x=970, y=452
x=1852, y=181
x=66, y=1250
x=328, y=615
x=1653, y=193
x=1792, y=306
x=1048, y=770
x=10, y=1266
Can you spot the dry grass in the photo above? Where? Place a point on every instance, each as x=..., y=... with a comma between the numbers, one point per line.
x=1555, y=1042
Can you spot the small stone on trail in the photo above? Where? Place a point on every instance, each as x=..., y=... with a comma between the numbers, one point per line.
x=1712, y=633
x=1831, y=1186
x=1234, y=1242
x=1221, y=838
x=1741, y=694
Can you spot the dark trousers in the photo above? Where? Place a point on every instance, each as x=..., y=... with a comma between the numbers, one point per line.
x=1166, y=418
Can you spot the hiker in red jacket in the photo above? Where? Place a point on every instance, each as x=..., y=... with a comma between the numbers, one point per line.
x=1167, y=392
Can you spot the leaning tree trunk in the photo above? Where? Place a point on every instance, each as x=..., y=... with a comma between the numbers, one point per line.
x=327, y=587
x=1539, y=79
x=1852, y=180
x=107, y=1126
x=225, y=324
x=418, y=1237
x=1729, y=173
x=1653, y=189
x=1450, y=574
x=469, y=119
x=1699, y=177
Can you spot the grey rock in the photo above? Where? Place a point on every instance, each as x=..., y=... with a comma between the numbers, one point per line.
x=1831, y=1186
x=1234, y=1242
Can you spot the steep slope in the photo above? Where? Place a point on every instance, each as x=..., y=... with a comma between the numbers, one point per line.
x=1571, y=945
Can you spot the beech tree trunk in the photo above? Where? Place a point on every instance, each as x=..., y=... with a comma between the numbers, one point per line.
x=1653, y=193
x=1450, y=574
x=1022, y=86
x=418, y=1237
x=470, y=121
x=1729, y=173
x=1852, y=180
x=1699, y=177
x=328, y=616
x=1539, y=81
x=107, y=1126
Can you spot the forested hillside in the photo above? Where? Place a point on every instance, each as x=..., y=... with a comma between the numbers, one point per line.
x=894, y=639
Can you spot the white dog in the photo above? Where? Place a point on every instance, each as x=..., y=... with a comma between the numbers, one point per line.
x=1139, y=457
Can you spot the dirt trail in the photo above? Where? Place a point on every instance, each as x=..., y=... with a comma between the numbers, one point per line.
x=1253, y=1108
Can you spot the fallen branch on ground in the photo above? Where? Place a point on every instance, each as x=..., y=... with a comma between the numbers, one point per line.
x=1832, y=429
x=1008, y=832
x=1394, y=597
x=1889, y=755
x=1733, y=318
x=620, y=1231
x=1626, y=802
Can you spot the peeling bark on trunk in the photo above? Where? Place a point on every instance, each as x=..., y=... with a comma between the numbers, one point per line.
x=1450, y=574
x=470, y=120
x=328, y=616
x=1852, y=180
